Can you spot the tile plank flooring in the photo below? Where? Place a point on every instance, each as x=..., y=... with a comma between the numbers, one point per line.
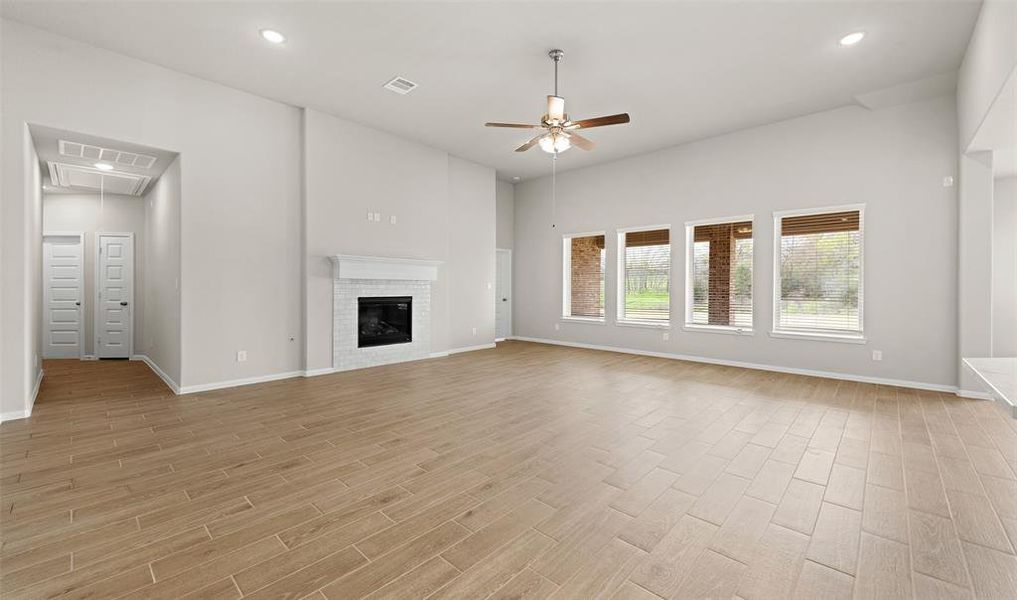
x=527, y=471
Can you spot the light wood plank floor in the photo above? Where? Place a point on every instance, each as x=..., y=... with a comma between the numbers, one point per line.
x=527, y=471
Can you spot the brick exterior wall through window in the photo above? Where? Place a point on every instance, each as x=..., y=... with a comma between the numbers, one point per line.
x=587, y=276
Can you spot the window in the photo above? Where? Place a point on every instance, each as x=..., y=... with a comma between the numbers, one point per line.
x=644, y=285
x=719, y=274
x=583, y=274
x=819, y=272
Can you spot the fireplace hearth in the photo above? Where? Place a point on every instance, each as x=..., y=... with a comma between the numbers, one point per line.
x=384, y=320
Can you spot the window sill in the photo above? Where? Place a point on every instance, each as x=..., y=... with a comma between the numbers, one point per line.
x=644, y=324
x=590, y=320
x=722, y=329
x=821, y=337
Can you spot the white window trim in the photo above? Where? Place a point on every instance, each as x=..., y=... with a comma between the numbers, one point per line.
x=843, y=338
x=724, y=329
x=643, y=324
x=851, y=337
x=587, y=320
x=620, y=284
x=566, y=278
x=689, y=255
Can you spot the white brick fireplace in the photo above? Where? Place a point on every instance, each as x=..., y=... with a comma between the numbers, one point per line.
x=355, y=277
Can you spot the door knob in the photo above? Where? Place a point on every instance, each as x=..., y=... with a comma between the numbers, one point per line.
x=77, y=303
x=504, y=299
x=123, y=303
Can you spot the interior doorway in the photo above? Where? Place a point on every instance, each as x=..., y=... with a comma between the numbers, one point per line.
x=111, y=249
x=63, y=293
x=503, y=295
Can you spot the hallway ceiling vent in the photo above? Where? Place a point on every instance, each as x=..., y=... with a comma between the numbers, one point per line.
x=117, y=157
x=400, y=85
x=92, y=179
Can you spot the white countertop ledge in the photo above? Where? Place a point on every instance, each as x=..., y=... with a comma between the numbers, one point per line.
x=1000, y=376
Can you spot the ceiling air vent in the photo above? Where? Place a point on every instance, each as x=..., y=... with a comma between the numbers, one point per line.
x=88, y=152
x=400, y=86
x=87, y=178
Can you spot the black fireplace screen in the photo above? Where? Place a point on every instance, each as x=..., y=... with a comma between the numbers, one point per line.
x=384, y=320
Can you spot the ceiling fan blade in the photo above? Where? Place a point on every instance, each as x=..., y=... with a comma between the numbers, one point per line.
x=530, y=144
x=600, y=121
x=512, y=125
x=555, y=108
x=578, y=140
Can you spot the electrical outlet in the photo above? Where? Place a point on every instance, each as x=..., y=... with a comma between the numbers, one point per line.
x=392, y=219
x=377, y=217
x=370, y=216
x=474, y=331
x=948, y=182
x=666, y=336
x=557, y=326
x=877, y=355
x=241, y=355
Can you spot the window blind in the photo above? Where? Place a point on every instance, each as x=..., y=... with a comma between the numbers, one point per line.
x=586, y=277
x=646, y=281
x=722, y=275
x=820, y=273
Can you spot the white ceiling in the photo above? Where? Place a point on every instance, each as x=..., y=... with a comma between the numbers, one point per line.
x=683, y=70
x=47, y=145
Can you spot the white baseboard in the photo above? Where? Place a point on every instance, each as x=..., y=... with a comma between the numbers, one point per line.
x=974, y=394
x=316, y=372
x=918, y=385
x=441, y=354
x=35, y=393
x=158, y=371
x=470, y=348
x=14, y=415
x=218, y=385
x=24, y=414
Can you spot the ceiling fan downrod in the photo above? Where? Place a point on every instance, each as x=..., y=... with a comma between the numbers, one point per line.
x=556, y=55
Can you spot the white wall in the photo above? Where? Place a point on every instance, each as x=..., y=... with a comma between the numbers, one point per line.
x=893, y=160
x=240, y=202
x=89, y=214
x=161, y=340
x=350, y=170
x=471, y=245
x=990, y=59
x=505, y=197
x=1004, y=267
x=20, y=271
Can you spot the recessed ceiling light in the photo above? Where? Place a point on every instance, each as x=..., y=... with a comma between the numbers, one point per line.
x=852, y=38
x=273, y=36
x=104, y=166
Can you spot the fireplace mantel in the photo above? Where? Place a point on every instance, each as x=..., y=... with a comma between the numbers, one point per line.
x=350, y=266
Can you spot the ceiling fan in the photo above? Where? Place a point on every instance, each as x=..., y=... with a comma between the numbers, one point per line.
x=559, y=131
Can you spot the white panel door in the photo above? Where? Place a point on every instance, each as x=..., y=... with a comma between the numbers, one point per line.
x=503, y=295
x=115, y=296
x=63, y=288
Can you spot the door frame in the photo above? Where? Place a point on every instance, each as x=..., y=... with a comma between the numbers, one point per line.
x=509, y=252
x=45, y=295
x=96, y=314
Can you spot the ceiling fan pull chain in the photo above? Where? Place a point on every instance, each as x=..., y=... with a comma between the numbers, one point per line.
x=554, y=188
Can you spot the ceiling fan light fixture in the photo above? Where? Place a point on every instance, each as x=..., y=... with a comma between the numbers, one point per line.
x=554, y=143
